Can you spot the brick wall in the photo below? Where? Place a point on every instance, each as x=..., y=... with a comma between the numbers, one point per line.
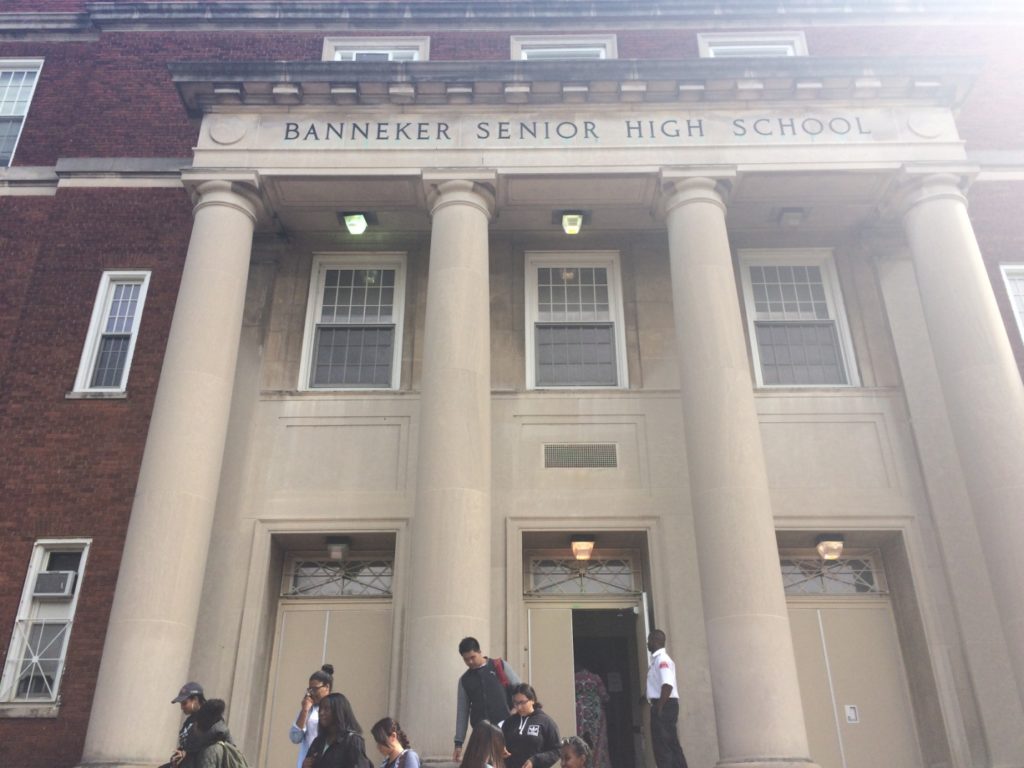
x=69, y=467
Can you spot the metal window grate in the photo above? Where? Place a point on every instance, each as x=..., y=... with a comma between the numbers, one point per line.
x=581, y=456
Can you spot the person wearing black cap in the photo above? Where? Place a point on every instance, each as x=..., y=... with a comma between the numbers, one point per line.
x=190, y=698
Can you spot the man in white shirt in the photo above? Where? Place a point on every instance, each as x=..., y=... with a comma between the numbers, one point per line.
x=663, y=694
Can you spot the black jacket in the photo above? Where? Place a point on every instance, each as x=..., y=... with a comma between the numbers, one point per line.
x=488, y=698
x=348, y=752
x=532, y=737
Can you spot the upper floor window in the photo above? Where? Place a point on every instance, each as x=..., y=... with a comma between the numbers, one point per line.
x=717, y=45
x=17, y=84
x=376, y=49
x=1013, y=277
x=561, y=47
x=856, y=575
x=795, y=318
x=574, y=326
x=113, y=330
x=36, y=653
x=353, y=334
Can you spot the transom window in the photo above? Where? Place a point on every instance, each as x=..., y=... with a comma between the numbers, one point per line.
x=1013, y=278
x=718, y=45
x=36, y=653
x=376, y=49
x=353, y=339
x=846, y=576
x=562, y=47
x=574, y=324
x=352, y=577
x=598, y=576
x=796, y=321
x=113, y=330
x=17, y=84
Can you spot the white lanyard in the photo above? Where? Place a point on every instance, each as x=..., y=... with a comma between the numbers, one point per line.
x=522, y=724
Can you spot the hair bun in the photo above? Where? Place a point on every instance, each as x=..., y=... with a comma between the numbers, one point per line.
x=328, y=668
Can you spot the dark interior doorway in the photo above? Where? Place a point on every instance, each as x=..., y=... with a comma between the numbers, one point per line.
x=605, y=643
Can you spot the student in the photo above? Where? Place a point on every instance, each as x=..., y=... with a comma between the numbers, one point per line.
x=339, y=743
x=394, y=745
x=486, y=747
x=190, y=698
x=483, y=692
x=574, y=752
x=531, y=736
x=210, y=745
x=304, y=729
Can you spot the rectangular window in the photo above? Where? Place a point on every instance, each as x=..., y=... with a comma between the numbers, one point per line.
x=113, y=330
x=36, y=653
x=354, y=334
x=1013, y=277
x=575, y=335
x=562, y=47
x=795, y=318
x=376, y=49
x=17, y=84
x=720, y=45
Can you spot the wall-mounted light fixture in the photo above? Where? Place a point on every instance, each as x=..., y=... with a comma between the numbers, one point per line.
x=582, y=546
x=829, y=545
x=338, y=547
x=356, y=222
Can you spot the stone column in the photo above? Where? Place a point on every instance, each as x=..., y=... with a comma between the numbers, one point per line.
x=449, y=581
x=153, y=618
x=980, y=384
x=753, y=670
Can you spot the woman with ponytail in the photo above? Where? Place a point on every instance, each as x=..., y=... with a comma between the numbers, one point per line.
x=394, y=745
x=304, y=729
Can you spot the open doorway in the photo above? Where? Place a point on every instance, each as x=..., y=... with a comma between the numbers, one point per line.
x=605, y=646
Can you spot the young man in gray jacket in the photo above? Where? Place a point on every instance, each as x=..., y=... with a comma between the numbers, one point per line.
x=483, y=692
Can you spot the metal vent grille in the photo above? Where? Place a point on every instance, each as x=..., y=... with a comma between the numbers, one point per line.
x=580, y=456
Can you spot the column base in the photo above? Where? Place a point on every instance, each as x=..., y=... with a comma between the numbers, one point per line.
x=769, y=762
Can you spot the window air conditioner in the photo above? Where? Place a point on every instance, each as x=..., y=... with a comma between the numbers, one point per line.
x=54, y=585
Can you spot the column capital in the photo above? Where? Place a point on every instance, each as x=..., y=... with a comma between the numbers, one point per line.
x=234, y=190
x=679, y=191
x=921, y=184
x=445, y=191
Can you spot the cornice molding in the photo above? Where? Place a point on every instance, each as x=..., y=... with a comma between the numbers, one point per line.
x=540, y=14
x=928, y=81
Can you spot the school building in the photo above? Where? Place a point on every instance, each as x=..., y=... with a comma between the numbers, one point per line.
x=338, y=331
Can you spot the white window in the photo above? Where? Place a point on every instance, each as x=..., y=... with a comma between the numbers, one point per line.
x=113, y=330
x=35, y=655
x=353, y=334
x=376, y=49
x=718, y=45
x=574, y=328
x=17, y=84
x=1013, y=277
x=561, y=47
x=795, y=318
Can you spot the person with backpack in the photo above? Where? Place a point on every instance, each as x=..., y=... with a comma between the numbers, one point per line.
x=484, y=691
x=209, y=745
x=339, y=741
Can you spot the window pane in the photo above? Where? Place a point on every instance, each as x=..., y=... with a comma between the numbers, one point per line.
x=9, y=127
x=575, y=355
x=571, y=294
x=40, y=661
x=788, y=293
x=110, y=360
x=351, y=578
x=353, y=356
x=358, y=296
x=805, y=353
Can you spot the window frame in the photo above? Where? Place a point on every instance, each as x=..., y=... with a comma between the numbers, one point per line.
x=352, y=260
x=710, y=42
x=1008, y=272
x=535, y=260
x=824, y=259
x=334, y=46
x=36, y=706
x=101, y=307
x=521, y=45
x=15, y=65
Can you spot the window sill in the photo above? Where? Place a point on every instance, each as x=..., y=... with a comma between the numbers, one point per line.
x=35, y=710
x=98, y=395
